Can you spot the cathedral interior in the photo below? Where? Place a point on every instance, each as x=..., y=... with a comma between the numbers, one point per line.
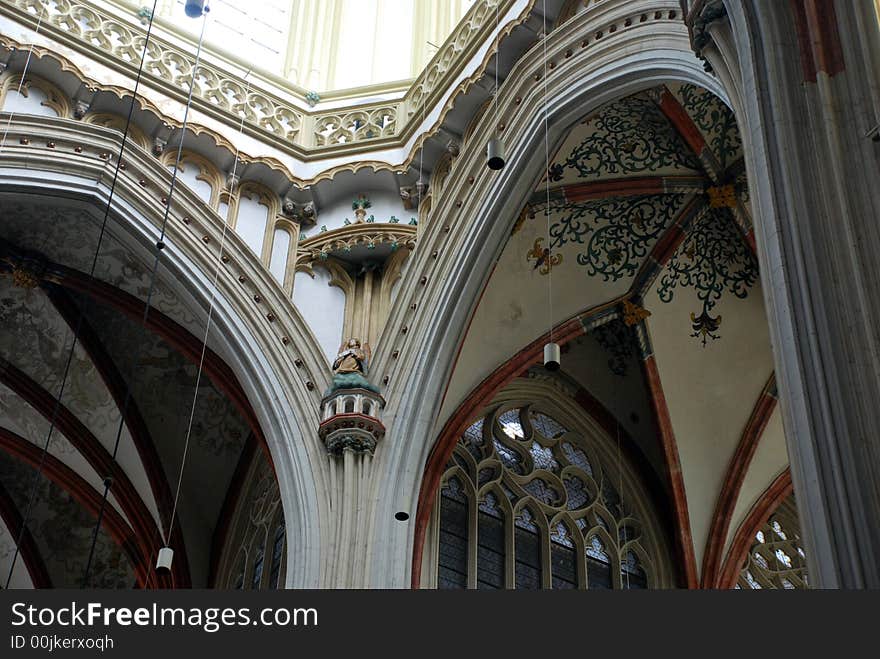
x=497, y=294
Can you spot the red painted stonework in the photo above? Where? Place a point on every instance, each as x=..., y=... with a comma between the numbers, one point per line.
x=769, y=501
x=684, y=540
x=733, y=480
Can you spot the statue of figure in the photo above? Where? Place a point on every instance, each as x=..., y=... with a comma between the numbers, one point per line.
x=352, y=358
x=351, y=366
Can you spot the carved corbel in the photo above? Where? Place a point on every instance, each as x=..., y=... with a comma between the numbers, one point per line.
x=159, y=146
x=305, y=214
x=82, y=101
x=5, y=55
x=710, y=12
x=232, y=181
x=452, y=142
x=160, y=139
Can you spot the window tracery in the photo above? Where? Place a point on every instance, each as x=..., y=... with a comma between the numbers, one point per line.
x=531, y=499
x=776, y=559
x=253, y=555
x=277, y=556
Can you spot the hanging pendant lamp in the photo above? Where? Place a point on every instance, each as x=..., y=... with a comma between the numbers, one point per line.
x=495, y=154
x=164, y=560
x=552, y=354
x=495, y=158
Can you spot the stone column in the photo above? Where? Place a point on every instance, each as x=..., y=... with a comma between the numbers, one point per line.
x=803, y=79
x=350, y=430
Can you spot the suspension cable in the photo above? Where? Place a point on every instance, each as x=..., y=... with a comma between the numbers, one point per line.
x=623, y=559
x=547, y=175
x=57, y=405
x=208, y=322
x=159, y=247
x=27, y=63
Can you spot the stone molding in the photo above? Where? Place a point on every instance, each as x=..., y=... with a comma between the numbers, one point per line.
x=273, y=110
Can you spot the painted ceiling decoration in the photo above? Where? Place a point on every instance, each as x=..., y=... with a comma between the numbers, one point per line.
x=646, y=244
x=625, y=137
x=110, y=391
x=650, y=186
x=619, y=341
x=62, y=530
x=714, y=120
x=376, y=223
x=712, y=259
x=616, y=233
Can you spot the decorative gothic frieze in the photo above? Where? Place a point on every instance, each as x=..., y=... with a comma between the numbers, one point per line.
x=367, y=235
x=263, y=107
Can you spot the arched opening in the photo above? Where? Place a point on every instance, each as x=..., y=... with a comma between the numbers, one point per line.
x=537, y=494
x=112, y=419
x=641, y=234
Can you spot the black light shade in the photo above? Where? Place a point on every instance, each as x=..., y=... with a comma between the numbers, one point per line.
x=495, y=154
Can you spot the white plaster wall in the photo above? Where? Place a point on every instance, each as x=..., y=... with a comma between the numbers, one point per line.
x=323, y=308
x=278, y=259
x=251, y=222
x=770, y=460
x=711, y=391
x=384, y=206
x=30, y=104
x=187, y=173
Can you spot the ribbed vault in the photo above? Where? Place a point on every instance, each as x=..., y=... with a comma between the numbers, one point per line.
x=126, y=382
x=638, y=241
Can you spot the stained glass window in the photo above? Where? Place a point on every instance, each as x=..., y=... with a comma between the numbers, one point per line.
x=543, y=507
x=453, y=561
x=255, y=549
x=277, y=556
x=257, y=578
x=776, y=558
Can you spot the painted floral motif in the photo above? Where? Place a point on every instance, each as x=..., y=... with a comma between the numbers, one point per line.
x=715, y=120
x=711, y=259
x=619, y=342
x=63, y=532
x=630, y=135
x=544, y=260
x=617, y=233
